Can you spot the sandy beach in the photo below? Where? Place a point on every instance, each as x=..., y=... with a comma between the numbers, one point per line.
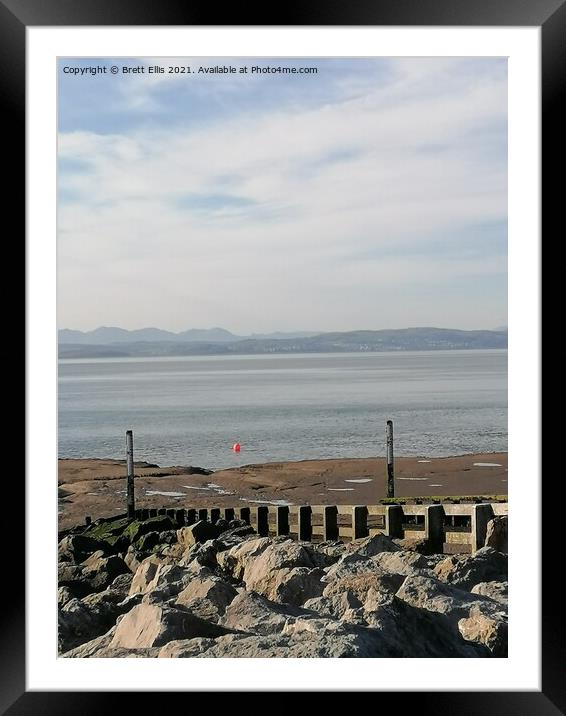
x=98, y=487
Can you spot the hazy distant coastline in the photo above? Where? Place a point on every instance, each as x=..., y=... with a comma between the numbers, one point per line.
x=118, y=342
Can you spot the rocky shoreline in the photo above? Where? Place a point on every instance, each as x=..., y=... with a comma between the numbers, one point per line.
x=147, y=589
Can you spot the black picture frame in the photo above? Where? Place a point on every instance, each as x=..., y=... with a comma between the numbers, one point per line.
x=549, y=15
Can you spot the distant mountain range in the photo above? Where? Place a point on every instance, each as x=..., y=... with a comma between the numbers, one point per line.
x=117, y=342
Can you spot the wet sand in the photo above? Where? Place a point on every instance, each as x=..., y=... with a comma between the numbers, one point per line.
x=98, y=487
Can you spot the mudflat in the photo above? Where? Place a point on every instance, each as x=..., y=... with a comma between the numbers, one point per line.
x=98, y=487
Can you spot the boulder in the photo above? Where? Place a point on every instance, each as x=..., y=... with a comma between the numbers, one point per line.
x=122, y=583
x=253, y=613
x=133, y=559
x=291, y=586
x=168, y=579
x=486, y=565
x=496, y=534
x=234, y=536
x=370, y=546
x=413, y=544
x=343, y=606
x=494, y=590
x=332, y=550
x=168, y=537
x=110, y=531
x=233, y=562
x=100, y=572
x=204, y=553
x=487, y=630
x=147, y=541
x=149, y=625
x=405, y=562
x=259, y=568
x=363, y=586
x=82, y=620
x=336, y=641
x=201, y=531
x=76, y=548
x=64, y=594
x=478, y=619
x=137, y=528
x=207, y=597
x=350, y=565
x=90, y=648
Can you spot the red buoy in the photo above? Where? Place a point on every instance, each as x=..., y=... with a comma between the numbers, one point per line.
x=236, y=447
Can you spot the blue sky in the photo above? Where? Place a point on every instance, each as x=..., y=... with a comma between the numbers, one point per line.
x=372, y=194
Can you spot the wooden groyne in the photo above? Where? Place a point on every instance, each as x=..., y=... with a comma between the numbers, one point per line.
x=448, y=528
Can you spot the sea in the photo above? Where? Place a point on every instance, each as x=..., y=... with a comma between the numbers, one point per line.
x=192, y=410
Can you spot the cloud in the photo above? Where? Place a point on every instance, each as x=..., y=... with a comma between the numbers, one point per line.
x=297, y=214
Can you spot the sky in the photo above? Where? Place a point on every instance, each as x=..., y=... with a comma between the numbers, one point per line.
x=370, y=194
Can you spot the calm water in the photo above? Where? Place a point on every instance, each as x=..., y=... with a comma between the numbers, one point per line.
x=189, y=411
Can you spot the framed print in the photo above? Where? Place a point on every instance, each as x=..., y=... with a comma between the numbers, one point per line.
x=279, y=225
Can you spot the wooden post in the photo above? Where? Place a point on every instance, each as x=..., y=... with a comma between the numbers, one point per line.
x=305, y=523
x=203, y=514
x=245, y=514
x=88, y=520
x=229, y=514
x=190, y=517
x=214, y=514
x=359, y=521
x=390, y=470
x=282, y=521
x=330, y=523
x=394, y=521
x=262, y=520
x=130, y=473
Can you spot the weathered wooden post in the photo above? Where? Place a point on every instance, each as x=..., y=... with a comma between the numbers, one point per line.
x=245, y=515
x=262, y=513
x=359, y=521
x=330, y=523
x=305, y=523
x=282, y=520
x=390, y=470
x=130, y=473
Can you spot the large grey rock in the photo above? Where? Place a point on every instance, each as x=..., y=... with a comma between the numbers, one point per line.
x=325, y=639
x=479, y=619
x=202, y=552
x=365, y=585
x=64, y=594
x=496, y=534
x=82, y=620
x=486, y=565
x=168, y=578
x=122, y=583
x=201, y=531
x=251, y=612
x=90, y=648
x=78, y=547
x=147, y=541
x=485, y=629
x=291, y=586
x=149, y=625
x=235, y=535
x=494, y=590
x=434, y=596
x=405, y=562
x=99, y=572
x=344, y=606
x=207, y=597
x=138, y=528
x=233, y=561
x=370, y=546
